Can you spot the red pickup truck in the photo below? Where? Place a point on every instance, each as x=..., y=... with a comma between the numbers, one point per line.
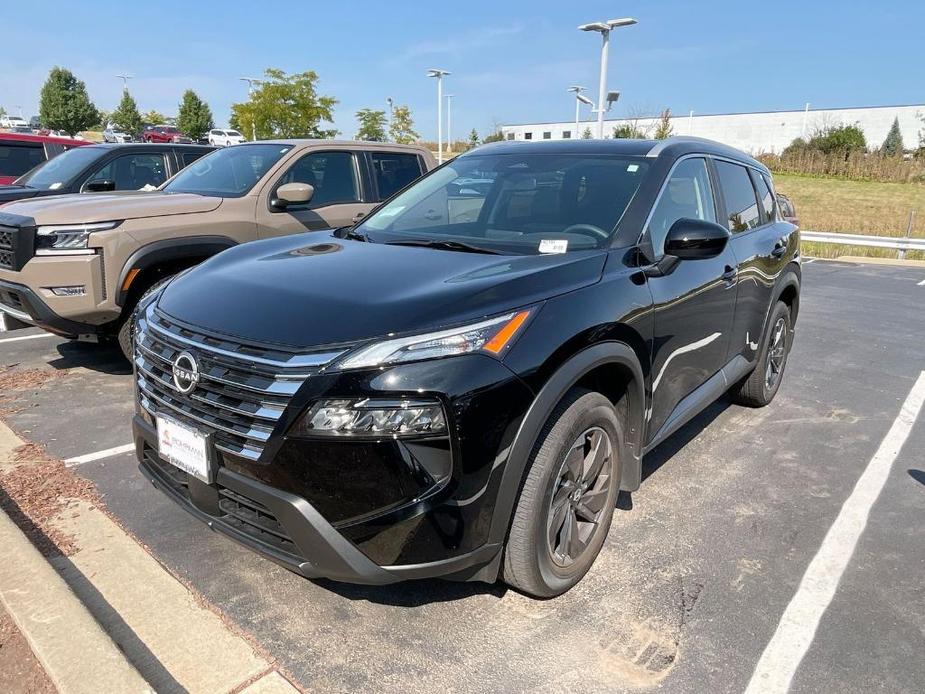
x=20, y=153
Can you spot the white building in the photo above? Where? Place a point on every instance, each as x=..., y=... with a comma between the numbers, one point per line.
x=755, y=133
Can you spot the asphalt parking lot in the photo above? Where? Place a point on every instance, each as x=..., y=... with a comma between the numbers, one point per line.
x=699, y=567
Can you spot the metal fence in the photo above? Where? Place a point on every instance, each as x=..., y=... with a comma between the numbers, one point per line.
x=897, y=243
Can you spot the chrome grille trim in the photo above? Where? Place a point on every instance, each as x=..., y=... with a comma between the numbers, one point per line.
x=242, y=393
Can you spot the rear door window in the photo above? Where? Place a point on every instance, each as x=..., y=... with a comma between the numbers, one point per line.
x=393, y=171
x=766, y=197
x=741, y=204
x=16, y=159
x=133, y=171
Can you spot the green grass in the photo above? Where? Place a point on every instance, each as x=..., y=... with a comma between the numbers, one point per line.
x=858, y=207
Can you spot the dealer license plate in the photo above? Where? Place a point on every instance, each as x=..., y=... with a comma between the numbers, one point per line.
x=185, y=448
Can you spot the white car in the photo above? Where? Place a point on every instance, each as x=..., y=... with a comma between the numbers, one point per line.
x=13, y=122
x=113, y=134
x=223, y=138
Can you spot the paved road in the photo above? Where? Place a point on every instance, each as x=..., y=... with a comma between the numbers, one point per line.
x=699, y=566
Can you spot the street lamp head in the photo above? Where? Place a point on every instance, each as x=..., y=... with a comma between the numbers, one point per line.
x=594, y=26
x=622, y=22
x=583, y=99
x=436, y=72
x=575, y=88
x=613, y=97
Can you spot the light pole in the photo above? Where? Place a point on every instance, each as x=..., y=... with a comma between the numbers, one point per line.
x=604, y=28
x=439, y=74
x=125, y=79
x=388, y=135
x=449, y=122
x=579, y=100
x=251, y=81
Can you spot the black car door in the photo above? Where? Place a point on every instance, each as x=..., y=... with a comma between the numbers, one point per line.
x=693, y=303
x=762, y=244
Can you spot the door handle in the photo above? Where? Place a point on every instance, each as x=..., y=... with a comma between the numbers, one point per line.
x=730, y=274
x=358, y=216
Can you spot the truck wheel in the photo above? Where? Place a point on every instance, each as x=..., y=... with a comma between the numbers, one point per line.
x=567, y=499
x=127, y=329
x=763, y=383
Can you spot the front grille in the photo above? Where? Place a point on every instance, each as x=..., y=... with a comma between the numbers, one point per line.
x=7, y=251
x=242, y=390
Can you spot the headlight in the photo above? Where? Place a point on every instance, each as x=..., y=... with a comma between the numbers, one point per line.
x=372, y=418
x=67, y=237
x=493, y=336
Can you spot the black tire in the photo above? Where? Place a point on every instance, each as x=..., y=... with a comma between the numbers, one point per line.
x=760, y=387
x=532, y=562
x=127, y=330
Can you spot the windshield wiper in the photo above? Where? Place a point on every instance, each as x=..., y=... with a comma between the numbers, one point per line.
x=447, y=245
x=349, y=232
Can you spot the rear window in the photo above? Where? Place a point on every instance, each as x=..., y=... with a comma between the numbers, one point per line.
x=17, y=159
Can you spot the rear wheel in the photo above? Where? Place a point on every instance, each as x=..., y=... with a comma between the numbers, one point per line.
x=763, y=383
x=567, y=499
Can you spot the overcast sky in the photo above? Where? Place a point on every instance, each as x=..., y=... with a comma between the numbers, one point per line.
x=511, y=61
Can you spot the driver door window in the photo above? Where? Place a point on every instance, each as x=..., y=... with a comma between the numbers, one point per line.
x=687, y=195
x=133, y=171
x=332, y=174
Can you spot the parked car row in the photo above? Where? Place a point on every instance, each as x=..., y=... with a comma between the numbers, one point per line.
x=455, y=372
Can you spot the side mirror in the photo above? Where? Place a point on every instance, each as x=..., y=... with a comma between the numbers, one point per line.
x=695, y=239
x=293, y=194
x=100, y=185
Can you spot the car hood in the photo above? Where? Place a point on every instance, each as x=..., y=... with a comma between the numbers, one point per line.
x=14, y=192
x=102, y=207
x=314, y=289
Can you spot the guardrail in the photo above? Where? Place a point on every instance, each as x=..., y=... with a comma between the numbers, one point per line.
x=897, y=243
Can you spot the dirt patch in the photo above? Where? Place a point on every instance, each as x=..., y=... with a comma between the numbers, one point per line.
x=20, y=671
x=14, y=381
x=34, y=487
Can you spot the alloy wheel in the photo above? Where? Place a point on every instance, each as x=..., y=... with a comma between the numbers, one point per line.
x=777, y=353
x=579, y=498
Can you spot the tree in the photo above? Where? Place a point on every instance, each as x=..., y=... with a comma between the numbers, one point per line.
x=628, y=131
x=194, y=117
x=2, y=111
x=64, y=103
x=473, y=139
x=893, y=144
x=402, y=130
x=126, y=117
x=663, y=130
x=496, y=136
x=154, y=117
x=842, y=139
x=372, y=125
x=586, y=135
x=285, y=106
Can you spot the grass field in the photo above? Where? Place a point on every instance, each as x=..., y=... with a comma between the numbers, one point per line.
x=859, y=207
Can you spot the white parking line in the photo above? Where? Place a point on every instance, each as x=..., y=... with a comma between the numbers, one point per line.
x=25, y=337
x=797, y=627
x=99, y=455
x=922, y=283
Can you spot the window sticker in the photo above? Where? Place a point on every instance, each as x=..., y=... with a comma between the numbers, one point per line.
x=632, y=168
x=553, y=246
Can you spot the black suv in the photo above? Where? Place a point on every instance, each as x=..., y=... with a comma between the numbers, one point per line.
x=103, y=168
x=460, y=385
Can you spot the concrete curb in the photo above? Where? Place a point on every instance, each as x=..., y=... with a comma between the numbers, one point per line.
x=895, y=262
x=72, y=647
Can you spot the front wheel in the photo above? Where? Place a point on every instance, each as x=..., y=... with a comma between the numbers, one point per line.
x=126, y=333
x=567, y=499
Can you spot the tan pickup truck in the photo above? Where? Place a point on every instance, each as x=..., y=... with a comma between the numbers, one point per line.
x=76, y=265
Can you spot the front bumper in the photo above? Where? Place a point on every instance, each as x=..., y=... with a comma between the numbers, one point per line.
x=286, y=528
x=25, y=305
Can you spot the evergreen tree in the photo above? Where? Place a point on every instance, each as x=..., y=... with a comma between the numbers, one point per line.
x=64, y=103
x=893, y=144
x=126, y=117
x=473, y=139
x=194, y=117
x=586, y=135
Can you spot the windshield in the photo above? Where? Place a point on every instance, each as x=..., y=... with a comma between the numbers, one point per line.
x=532, y=203
x=61, y=170
x=227, y=173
